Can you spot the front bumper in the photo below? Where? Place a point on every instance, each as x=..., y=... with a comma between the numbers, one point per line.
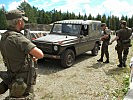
x=52, y=56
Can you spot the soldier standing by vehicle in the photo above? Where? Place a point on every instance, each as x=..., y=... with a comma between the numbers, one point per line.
x=15, y=49
x=123, y=43
x=105, y=38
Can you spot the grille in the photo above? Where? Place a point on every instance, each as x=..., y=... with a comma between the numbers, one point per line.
x=46, y=48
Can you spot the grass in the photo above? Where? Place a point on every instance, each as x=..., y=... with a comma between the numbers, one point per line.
x=123, y=79
x=121, y=92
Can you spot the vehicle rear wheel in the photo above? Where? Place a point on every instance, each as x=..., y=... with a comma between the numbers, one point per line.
x=68, y=58
x=95, y=50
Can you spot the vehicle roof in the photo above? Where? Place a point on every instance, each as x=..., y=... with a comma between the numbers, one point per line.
x=78, y=21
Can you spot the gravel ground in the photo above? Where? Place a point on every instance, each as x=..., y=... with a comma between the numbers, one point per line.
x=85, y=80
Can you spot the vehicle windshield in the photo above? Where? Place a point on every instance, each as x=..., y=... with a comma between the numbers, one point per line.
x=67, y=29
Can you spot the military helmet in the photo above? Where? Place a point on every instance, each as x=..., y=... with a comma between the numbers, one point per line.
x=103, y=24
x=123, y=22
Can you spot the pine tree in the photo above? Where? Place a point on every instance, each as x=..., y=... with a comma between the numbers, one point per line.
x=89, y=17
x=98, y=17
x=3, y=23
x=103, y=19
x=42, y=17
x=29, y=12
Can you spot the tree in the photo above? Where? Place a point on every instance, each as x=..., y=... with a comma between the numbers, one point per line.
x=85, y=17
x=98, y=17
x=46, y=17
x=117, y=23
x=89, y=17
x=131, y=22
x=103, y=19
x=29, y=12
x=72, y=16
x=79, y=16
x=3, y=23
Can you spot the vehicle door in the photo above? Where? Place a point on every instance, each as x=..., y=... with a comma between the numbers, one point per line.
x=83, y=45
x=92, y=35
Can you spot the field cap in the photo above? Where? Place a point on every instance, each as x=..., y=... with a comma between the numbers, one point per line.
x=103, y=24
x=123, y=22
x=14, y=14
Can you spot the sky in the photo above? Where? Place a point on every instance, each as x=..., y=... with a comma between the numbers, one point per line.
x=93, y=7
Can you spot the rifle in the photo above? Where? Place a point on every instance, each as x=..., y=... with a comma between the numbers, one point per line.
x=4, y=76
x=31, y=79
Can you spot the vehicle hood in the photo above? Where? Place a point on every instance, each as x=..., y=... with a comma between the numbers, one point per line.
x=53, y=38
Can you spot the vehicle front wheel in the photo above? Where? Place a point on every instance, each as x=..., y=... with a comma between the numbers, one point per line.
x=95, y=50
x=68, y=58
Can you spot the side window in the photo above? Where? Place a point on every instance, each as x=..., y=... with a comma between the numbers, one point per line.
x=84, y=30
x=91, y=30
x=95, y=26
x=99, y=28
x=94, y=29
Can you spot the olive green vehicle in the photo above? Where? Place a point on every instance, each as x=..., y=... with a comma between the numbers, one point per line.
x=69, y=38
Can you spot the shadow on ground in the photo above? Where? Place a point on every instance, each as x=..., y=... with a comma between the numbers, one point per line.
x=116, y=71
x=49, y=66
x=83, y=57
x=96, y=65
x=100, y=64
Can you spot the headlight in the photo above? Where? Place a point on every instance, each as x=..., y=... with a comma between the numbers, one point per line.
x=55, y=47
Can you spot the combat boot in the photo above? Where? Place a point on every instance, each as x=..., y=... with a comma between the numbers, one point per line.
x=124, y=64
x=100, y=60
x=120, y=65
x=107, y=61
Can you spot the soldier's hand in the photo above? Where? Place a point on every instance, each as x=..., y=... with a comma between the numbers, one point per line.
x=34, y=59
x=110, y=43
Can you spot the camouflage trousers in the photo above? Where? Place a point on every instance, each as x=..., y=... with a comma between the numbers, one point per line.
x=29, y=96
x=5, y=85
x=104, y=50
x=122, y=53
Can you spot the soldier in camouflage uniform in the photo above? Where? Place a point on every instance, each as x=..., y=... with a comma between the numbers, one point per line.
x=15, y=49
x=123, y=43
x=105, y=38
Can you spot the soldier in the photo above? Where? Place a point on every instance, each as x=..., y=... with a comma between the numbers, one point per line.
x=105, y=38
x=123, y=43
x=15, y=49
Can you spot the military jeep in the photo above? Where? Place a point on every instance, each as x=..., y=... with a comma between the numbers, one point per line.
x=69, y=38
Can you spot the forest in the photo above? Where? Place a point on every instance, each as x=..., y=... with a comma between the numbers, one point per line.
x=37, y=16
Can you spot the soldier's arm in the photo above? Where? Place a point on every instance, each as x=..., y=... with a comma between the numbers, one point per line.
x=116, y=38
x=37, y=53
x=106, y=36
x=131, y=34
x=28, y=47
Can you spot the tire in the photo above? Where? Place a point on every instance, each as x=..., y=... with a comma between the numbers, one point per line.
x=68, y=58
x=95, y=50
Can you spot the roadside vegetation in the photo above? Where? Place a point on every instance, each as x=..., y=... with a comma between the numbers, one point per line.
x=122, y=77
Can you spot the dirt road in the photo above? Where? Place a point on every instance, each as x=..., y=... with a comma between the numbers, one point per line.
x=85, y=80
